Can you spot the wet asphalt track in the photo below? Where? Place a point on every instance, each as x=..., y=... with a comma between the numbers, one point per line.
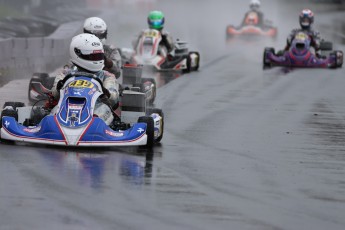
x=243, y=148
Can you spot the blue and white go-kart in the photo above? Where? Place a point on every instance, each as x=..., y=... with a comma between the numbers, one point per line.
x=74, y=123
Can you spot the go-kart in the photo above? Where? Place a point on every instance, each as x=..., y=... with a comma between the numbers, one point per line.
x=131, y=74
x=250, y=28
x=149, y=52
x=73, y=122
x=300, y=55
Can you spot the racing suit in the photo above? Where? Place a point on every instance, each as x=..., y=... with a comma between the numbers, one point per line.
x=314, y=36
x=102, y=108
x=113, y=61
x=259, y=23
x=167, y=42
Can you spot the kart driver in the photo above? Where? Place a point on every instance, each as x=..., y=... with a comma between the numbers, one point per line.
x=112, y=60
x=87, y=56
x=306, y=19
x=254, y=16
x=155, y=21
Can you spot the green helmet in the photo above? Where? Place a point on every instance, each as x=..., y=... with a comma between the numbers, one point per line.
x=156, y=20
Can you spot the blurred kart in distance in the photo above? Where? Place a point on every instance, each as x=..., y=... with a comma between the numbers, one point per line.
x=251, y=28
x=301, y=54
x=150, y=53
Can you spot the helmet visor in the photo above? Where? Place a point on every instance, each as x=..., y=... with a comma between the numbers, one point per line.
x=305, y=22
x=94, y=55
x=156, y=23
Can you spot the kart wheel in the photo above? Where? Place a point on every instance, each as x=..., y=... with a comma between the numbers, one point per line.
x=160, y=113
x=149, y=130
x=9, y=113
x=196, y=68
x=266, y=62
x=14, y=105
x=189, y=63
x=339, y=57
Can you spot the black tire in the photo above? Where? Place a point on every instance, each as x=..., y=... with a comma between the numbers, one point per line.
x=188, y=69
x=196, y=68
x=160, y=113
x=149, y=130
x=14, y=105
x=267, y=64
x=339, y=60
x=8, y=113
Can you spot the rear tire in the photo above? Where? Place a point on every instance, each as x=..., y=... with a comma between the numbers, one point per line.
x=266, y=63
x=196, y=68
x=9, y=113
x=339, y=57
x=149, y=130
x=188, y=68
x=14, y=105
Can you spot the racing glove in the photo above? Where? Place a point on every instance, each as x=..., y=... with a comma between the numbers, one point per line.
x=59, y=85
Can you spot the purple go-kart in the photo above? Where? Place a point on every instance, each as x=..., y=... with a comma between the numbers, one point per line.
x=301, y=55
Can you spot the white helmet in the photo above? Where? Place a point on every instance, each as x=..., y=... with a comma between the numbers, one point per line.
x=86, y=51
x=254, y=4
x=96, y=26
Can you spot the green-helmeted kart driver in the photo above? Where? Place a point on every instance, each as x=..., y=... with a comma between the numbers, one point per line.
x=156, y=21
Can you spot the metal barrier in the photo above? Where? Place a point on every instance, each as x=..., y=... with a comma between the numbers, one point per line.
x=20, y=56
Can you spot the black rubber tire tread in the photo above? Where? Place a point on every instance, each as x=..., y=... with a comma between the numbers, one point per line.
x=160, y=113
x=149, y=130
x=188, y=64
x=265, y=64
x=197, y=66
x=14, y=104
x=8, y=113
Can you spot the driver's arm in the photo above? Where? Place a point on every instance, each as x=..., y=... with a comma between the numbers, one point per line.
x=113, y=61
x=60, y=76
x=289, y=39
x=316, y=40
x=111, y=84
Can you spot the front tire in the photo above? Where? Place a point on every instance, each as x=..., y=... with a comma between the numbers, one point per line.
x=149, y=130
x=160, y=113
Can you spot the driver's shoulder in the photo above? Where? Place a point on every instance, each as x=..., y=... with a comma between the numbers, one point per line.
x=105, y=74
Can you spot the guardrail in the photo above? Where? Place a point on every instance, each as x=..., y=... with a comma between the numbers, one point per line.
x=26, y=55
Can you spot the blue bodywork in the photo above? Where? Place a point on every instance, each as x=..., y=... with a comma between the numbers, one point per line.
x=74, y=120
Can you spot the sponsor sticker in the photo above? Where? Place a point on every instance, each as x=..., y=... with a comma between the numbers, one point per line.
x=113, y=133
x=32, y=130
x=81, y=84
